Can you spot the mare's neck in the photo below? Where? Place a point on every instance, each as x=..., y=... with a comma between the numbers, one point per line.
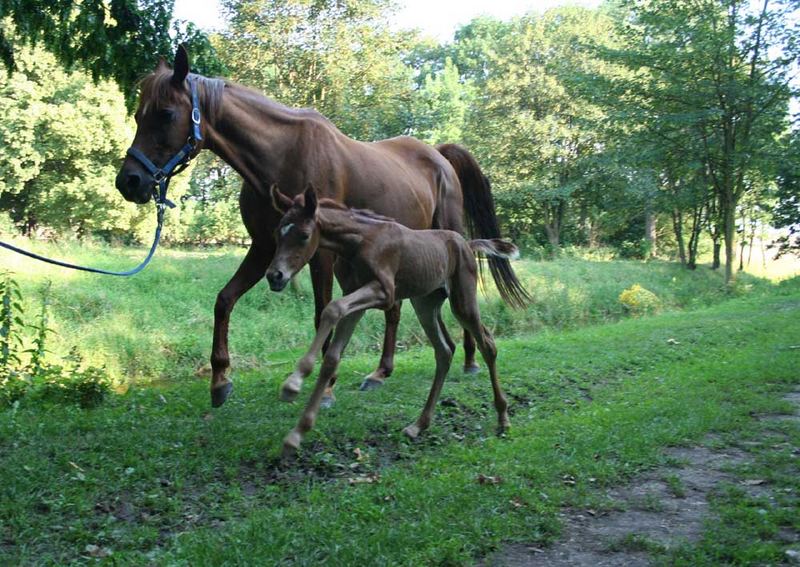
x=257, y=137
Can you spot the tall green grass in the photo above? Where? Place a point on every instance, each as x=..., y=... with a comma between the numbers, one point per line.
x=157, y=325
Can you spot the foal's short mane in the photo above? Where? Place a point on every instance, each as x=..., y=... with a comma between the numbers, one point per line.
x=360, y=215
x=156, y=90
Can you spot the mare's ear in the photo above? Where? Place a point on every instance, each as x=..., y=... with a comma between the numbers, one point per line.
x=310, y=197
x=162, y=65
x=280, y=202
x=180, y=67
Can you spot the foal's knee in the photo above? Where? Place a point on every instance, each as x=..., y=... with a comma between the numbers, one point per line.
x=223, y=305
x=332, y=314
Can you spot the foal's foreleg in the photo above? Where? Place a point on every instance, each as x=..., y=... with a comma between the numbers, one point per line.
x=250, y=271
x=428, y=309
x=371, y=295
x=386, y=365
x=344, y=330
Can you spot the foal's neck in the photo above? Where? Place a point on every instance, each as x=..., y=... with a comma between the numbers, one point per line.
x=257, y=137
x=343, y=230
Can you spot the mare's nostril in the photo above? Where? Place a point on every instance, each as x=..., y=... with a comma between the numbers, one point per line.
x=132, y=181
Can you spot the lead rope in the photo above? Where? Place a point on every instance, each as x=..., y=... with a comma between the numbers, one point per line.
x=161, y=176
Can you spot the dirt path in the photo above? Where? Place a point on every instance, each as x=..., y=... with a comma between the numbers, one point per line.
x=657, y=511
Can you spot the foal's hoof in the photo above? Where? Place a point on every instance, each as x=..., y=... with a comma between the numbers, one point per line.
x=291, y=443
x=220, y=394
x=291, y=388
x=412, y=431
x=327, y=402
x=288, y=395
x=370, y=384
x=472, y=368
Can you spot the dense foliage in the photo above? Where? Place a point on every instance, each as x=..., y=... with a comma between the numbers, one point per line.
x=650, y=127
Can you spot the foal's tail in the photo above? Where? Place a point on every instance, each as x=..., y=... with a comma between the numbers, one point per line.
x=495, y=247
x=482, y=220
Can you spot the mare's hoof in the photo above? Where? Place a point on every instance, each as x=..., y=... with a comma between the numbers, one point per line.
x=220, y=394
x=412, y=431
x=327, y=402
x=471, y=368
x=370, y=384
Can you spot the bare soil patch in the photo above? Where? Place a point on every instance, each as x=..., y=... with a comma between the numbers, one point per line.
x=657, y=511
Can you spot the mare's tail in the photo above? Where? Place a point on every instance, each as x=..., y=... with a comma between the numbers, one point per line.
x=495, y=247
x=482, y=220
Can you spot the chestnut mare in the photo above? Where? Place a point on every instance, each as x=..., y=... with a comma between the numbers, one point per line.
x=380, y=262
x=266, y=143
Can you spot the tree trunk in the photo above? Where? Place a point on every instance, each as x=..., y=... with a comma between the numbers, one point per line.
x=729, y=234
x=677, y=227
x=650, y=231
x=694, y=236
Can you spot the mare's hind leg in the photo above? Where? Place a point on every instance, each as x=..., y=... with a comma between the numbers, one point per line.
x=344, y=330
x=386, y=365
x=428, y=309
x=464, y=303
x=250, y=271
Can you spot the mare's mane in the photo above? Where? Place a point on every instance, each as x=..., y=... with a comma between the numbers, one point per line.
x=156, y=91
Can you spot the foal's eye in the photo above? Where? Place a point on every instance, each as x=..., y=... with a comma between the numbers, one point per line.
x=304, y=236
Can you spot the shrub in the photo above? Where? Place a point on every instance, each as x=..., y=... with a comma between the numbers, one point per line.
x=85, y=386
x=639, y=301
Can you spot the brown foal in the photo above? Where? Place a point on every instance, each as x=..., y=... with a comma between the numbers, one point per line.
x=380, y=262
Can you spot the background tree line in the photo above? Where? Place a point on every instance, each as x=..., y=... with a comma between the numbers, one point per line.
x=649, y=127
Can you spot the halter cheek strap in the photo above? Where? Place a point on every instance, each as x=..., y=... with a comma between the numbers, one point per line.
x=178, y=162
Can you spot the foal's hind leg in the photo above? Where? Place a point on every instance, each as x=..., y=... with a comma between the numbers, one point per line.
x=428, y=309
x=464, y=303
x=386, y=365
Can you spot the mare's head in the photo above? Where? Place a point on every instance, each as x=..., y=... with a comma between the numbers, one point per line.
x=163, y=126
x=297, y=235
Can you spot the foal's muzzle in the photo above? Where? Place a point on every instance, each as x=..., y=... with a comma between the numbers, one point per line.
x=277, y=280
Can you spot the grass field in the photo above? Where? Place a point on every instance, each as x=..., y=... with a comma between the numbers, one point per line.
x=157, y=326
x=154, y=476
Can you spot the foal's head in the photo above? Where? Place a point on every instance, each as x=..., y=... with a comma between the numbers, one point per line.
x=297, y=236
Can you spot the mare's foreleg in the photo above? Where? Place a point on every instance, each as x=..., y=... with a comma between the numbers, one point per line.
x=428, y=310
x=330, y=362
x=250, y=271
x=386, y=364
x=371, y=295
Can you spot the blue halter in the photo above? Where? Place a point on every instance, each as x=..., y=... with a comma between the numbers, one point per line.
x=161, y=176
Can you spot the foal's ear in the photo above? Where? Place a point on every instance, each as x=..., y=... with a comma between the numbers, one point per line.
x=310, y=198
x=280, y=202
x=162, y=65
x=180, y=67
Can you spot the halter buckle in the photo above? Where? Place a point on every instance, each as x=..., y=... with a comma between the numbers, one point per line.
x=158, y=176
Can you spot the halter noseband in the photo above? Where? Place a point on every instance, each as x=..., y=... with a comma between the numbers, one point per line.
x=178, y=162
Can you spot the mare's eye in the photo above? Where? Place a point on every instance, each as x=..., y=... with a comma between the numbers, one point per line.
x=166, y=115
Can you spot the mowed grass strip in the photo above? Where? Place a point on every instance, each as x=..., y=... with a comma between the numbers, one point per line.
x=154, y=475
